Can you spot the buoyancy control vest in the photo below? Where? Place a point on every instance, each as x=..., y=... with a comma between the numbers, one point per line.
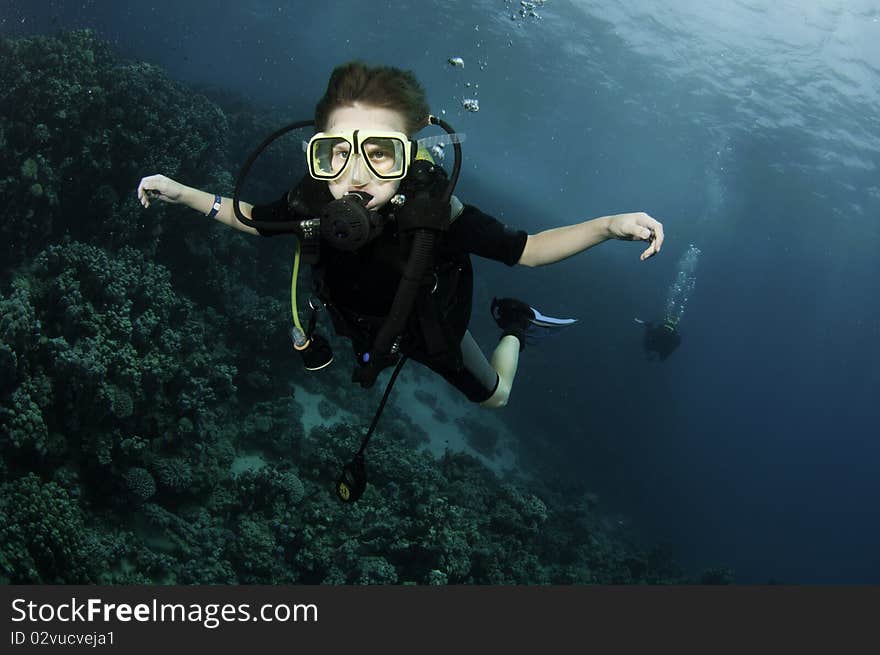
x=357, y=289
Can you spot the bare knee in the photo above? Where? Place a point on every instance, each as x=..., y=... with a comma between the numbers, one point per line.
x=499, y=397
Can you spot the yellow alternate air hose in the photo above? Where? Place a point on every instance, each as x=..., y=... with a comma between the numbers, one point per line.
x=296, y=258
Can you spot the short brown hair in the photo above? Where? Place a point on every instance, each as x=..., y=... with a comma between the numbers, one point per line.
x=379, y=86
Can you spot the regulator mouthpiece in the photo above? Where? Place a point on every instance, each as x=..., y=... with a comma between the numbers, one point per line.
x=347, y=223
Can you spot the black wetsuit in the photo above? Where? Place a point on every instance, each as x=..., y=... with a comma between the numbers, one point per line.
x=363, y=283
x=660, y=339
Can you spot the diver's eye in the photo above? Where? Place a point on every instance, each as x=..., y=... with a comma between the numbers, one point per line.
x=339, y=156
x=377, y=153
x=382, y=155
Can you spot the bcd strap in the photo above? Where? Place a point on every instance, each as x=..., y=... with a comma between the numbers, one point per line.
x=423, y=186
x=438, y=346
x=441, y=344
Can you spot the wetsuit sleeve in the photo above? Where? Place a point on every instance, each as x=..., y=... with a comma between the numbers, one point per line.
x=486, y=236
x=275, y=212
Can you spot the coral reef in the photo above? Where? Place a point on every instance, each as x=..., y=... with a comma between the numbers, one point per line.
x=479, y=436
x=78, y=126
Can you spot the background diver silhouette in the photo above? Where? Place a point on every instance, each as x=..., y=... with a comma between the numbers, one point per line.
x=661, y=339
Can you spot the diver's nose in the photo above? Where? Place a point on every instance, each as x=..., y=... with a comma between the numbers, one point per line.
x=359, y=173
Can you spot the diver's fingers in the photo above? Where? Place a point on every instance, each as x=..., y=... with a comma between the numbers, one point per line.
x=149, y=186
x=141, y=193
x=650, y=251
x=652, y=231
x=658, y=236
x=152, y=186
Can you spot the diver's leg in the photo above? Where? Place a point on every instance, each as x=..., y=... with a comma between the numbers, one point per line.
x=504, y=362
x=492, y=379
x=476, y=378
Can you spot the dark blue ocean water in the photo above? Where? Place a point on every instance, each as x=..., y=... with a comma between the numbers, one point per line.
x=748, y=128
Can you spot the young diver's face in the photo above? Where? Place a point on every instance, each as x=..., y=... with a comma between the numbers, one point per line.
x=358, y=178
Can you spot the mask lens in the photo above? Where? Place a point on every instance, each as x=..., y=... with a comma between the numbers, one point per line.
x=329, y=156
x=384, y=156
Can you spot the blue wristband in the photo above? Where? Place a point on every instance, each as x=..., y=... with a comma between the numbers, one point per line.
x=215, y=208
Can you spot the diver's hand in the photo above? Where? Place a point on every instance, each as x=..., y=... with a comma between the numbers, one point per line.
x=638, y=226
x=159, y=187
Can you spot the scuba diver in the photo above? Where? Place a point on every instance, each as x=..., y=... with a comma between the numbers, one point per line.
x=389, y=244
x=662, y=337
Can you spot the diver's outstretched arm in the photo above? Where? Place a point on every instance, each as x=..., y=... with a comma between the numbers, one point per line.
x=160, y=187
x=559, y=243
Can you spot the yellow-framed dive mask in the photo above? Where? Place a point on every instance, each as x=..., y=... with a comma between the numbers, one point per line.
x=387, y=155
